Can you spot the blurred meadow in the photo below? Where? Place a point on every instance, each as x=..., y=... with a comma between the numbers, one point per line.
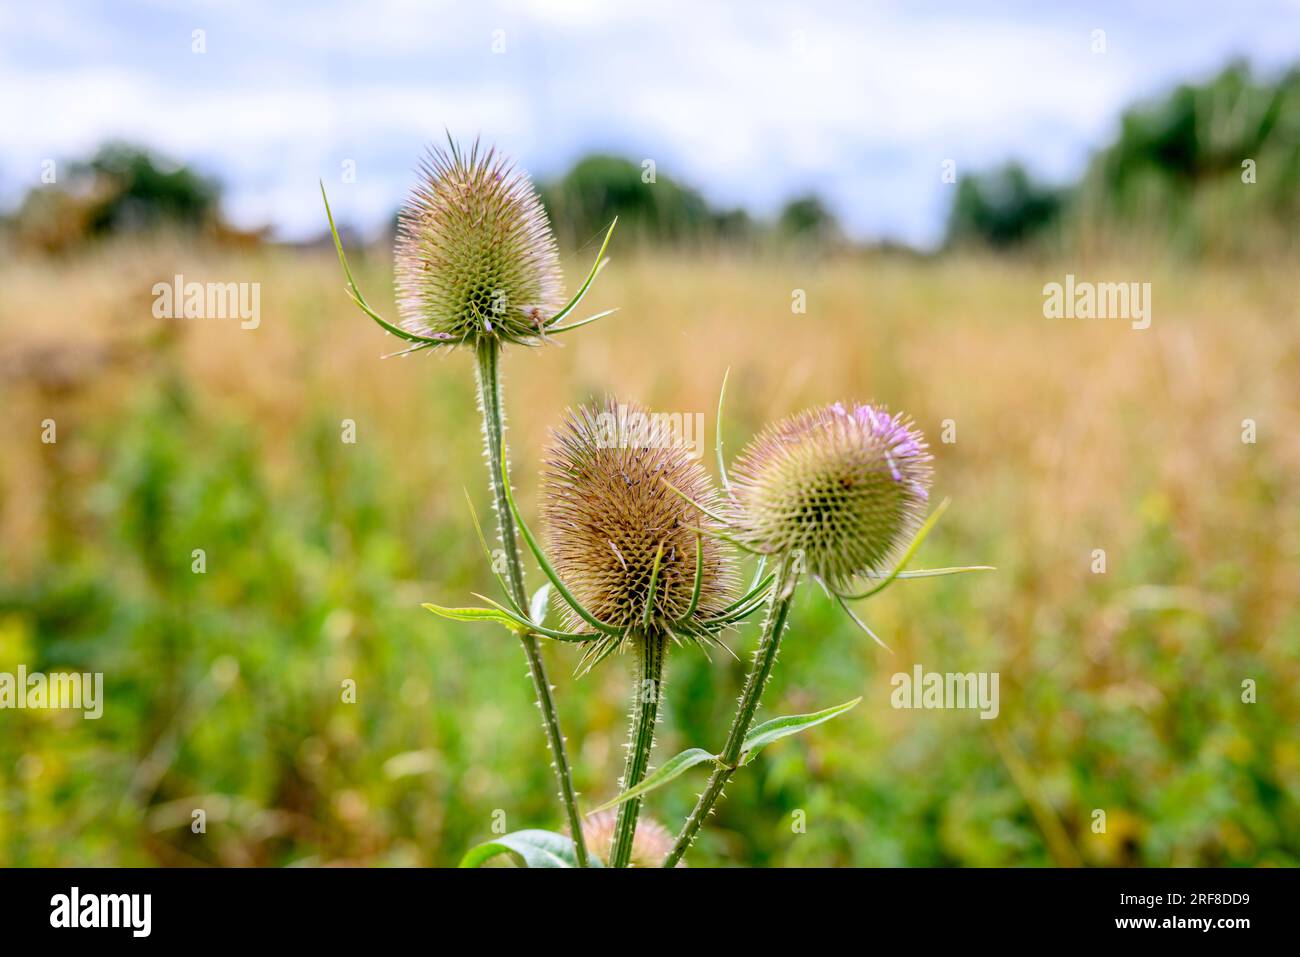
x=1124, y=691
x=1120, y=691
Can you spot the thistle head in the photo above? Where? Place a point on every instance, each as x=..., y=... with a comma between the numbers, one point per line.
x=475, y=255
x=609, y=512
x=844, y=487
x=650, y=845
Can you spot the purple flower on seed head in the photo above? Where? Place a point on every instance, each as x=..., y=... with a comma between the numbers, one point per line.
x=897, y=439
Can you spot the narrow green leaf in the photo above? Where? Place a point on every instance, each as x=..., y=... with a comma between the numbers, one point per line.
x=591, y=277
x=759, y=588
x=680, y=494
x=921, y=534
x=940, y=572
x=737, y=612
x=650, y=592
x=501, y=615
x=473, y=614
x=770, y=731
x=862, y=624
x=354, y=293
x=522, y=624
x=699, y=580
x=532, y=848
x=556, y=330
x=545, y=564
x=487, y=552
x=674, y=767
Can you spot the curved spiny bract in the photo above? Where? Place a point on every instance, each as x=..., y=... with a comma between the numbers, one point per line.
x=475, y=255
x=609, y=511
x=844, y=488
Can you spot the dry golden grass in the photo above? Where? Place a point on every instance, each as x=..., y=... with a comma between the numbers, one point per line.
x=1070, y=435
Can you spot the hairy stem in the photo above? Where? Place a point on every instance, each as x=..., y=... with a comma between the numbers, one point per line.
x=647, y=692
x=488, y=354
x=778, y=610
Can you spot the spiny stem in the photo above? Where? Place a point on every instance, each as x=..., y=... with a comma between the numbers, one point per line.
x=778, y=610
x=647, y=691
x=488, y=354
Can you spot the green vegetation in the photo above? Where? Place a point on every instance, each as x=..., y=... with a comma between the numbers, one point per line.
x=1120, y=692
x=1210, y=169
x=203, y=533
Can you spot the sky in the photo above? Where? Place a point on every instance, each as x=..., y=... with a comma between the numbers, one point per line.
x=751, y=103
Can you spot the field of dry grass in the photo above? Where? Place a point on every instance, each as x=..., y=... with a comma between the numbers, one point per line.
x=1120, y=691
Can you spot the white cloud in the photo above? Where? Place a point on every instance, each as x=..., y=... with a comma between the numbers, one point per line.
x=750, y=103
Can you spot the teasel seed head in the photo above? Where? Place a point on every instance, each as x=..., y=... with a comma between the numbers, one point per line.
x=844, y=487
x=475, y=255
x=608, y=511
x=650, y=845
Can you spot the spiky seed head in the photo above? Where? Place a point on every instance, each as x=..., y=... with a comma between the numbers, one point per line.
x=650, y=844
x=608, y=510
x=475, y=255
x=845, y=487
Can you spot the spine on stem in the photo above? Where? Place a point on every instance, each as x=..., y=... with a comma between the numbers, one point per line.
x=778, y=610
x=647, y=693
x=488, y=355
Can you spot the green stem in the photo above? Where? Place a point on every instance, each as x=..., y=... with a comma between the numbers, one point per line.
x=488, y=354
x=778, y=610
x=647, y=692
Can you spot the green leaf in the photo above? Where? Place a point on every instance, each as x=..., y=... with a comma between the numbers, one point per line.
x=770, y=731
x=699, y=580
x=650, y=592
x=537, y=607
x=474, y=614
x=502, y=616
x=582, y=290
x=556, y=330
x=354, y=292
x=544, y=563
x=866, y=629
x=682, y=495
x=940, y=572
x=532, y=848
x=922, y=532
x=759, y=589
x=672, y=768
x=487, y=553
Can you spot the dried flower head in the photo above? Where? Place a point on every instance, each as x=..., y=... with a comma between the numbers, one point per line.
x=608, y=512
x=844, y=487
x=650, y=846
x=475, y=255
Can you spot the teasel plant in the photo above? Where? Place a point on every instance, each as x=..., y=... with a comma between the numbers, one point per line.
x=837, y=494
x=636, y=570
x=639, y=572
x=477, y=268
